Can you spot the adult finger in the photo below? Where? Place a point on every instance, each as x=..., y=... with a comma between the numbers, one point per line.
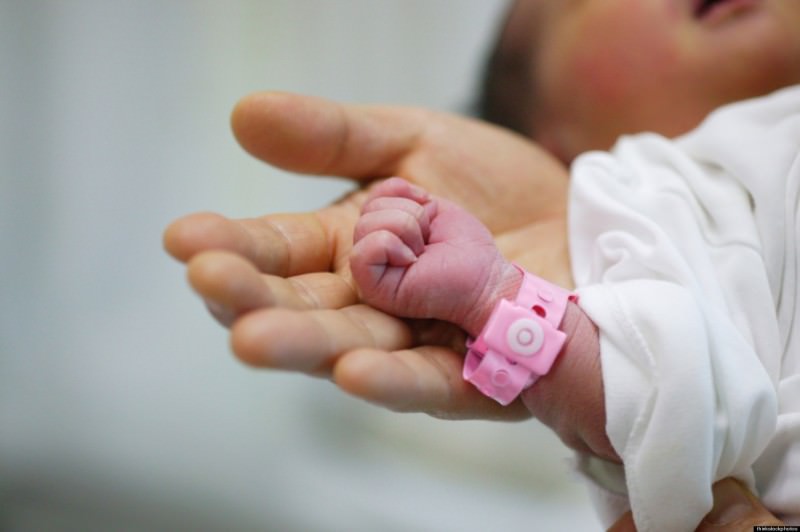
x=278, y=244
x=424, y=379
x=228, y=284
x=735, y=510
x=316, y=136
x=463, y=160
x=231, y=286
x=368, y=354
x=311, y=341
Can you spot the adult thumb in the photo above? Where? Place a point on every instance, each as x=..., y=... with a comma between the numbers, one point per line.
x=735, y=510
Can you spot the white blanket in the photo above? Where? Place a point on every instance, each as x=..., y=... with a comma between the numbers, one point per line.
x=685, y=254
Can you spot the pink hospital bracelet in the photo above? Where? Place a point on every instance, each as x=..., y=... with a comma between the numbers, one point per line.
x=520, y=341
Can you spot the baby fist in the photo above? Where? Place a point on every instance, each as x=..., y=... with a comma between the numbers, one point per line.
x=417, y=256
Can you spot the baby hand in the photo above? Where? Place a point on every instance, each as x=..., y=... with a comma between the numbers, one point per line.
x=418, y=256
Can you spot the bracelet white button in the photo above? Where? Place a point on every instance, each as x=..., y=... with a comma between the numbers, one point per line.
x=525, y=337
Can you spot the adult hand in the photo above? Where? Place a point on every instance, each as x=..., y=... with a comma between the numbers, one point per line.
x=735, y=510
x=282, y=282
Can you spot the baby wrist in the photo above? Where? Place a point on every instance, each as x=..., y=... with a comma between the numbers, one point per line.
x=505, y=285
x=520, y=341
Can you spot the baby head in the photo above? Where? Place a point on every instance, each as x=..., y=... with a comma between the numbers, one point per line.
x=576, y=74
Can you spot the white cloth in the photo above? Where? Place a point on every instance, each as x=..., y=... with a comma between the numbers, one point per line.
x=685, y=254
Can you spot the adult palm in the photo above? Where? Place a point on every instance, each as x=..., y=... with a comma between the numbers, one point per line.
x=282, y=281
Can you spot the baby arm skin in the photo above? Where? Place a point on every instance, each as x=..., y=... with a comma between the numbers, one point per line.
x=418, y=256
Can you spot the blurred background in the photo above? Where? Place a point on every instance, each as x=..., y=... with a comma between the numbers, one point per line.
x=121, y=407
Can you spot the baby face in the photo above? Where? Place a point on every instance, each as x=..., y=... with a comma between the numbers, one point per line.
x=601, y=68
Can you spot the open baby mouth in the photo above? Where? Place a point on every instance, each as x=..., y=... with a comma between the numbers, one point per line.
x=707, y=9
x=703, y=7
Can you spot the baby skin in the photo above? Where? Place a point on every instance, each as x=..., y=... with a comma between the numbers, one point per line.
x=417, y=256
x=420, y=256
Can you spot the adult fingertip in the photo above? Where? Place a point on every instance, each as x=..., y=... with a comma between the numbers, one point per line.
x=174, y=238
x=191, y=234
x=248, y=115
x=731, y=503
x=242, y=341
x=290, y=131
x=624, y=524
x=251, y=340
x=735, y=508
x=223, y=314
x=170, y=242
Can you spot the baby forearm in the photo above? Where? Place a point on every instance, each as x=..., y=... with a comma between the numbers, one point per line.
x=570, y=398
